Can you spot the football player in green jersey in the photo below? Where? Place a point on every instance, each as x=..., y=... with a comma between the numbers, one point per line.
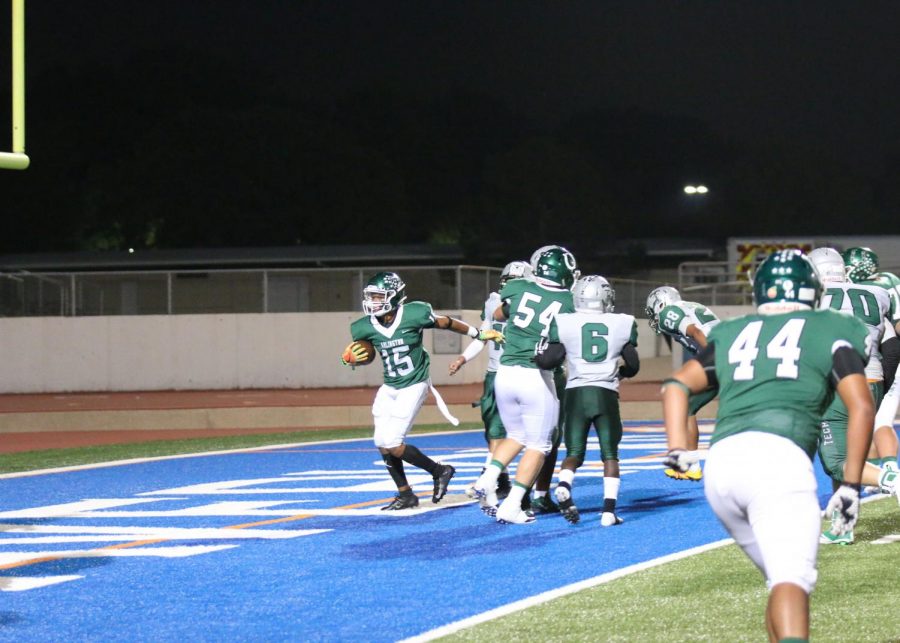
x=870, y=304
x=591, y=340
x=687, y=323
x=525, y=394
x=494, y=431
x=394, y=327
x=861, y=265
x=776, y=371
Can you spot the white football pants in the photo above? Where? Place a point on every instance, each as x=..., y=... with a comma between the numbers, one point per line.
x=526, y=399
x=763, y=489
x=394, y=411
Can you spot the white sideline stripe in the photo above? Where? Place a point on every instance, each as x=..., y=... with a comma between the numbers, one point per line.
x=525, y=603
x=268, y=447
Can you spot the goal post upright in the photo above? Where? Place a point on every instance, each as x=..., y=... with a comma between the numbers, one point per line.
x=17, y=159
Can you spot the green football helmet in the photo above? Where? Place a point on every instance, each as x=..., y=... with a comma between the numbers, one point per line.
x=383, y=293
x=861, y=264
x=786, y=280
x=556, y=267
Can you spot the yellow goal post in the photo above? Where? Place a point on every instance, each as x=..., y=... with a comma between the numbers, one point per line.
x=17, y=159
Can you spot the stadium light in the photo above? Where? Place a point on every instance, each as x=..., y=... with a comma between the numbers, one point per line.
x=695, y=189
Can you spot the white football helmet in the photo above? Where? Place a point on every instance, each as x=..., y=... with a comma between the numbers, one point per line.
x=593, y=294
x=514, y=270
x=829, y=264
x=658, y=299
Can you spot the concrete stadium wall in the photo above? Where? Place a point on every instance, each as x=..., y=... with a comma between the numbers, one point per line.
x=199, y=352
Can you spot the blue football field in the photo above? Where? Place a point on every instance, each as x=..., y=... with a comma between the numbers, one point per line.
x=289, y=543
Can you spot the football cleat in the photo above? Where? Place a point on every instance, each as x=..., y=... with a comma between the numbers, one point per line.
x=609, y=519
x=887, y=481
x=402, y=501
x=512, y=515
x=829, y=538
x=544, y=505
x=694, y=475
x=569, y=511
x=441, y=480
x=470, y=491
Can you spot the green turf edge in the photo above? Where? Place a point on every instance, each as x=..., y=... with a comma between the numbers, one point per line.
x=720, y=596
x=52, y=458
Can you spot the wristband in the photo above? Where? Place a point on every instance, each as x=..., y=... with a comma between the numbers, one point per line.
x=472, y=332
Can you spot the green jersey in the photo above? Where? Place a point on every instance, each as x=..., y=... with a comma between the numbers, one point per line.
x=532, y=307
x=404, y=358
x=774, y=371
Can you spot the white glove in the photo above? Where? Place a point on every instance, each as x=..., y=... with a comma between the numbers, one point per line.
x=680, y=459
x=843, y=508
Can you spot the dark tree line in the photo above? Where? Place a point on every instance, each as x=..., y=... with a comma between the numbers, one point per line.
x=172, y=149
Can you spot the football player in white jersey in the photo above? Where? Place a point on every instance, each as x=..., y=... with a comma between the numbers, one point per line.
x=687, y=323
x=871, y=305
x=592, y=340
x=861, y=265
x=494, y=430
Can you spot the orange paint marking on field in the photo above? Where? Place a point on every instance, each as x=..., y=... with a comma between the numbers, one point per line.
x=156, y=541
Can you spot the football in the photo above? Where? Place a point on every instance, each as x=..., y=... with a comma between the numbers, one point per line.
x=366, y=345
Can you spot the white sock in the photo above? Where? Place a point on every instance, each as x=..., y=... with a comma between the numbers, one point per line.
x=567, y=475
x=516, y=493
x=611, y=488
x=490, y=475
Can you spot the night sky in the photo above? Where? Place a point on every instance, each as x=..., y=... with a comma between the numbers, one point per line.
x=823, y=77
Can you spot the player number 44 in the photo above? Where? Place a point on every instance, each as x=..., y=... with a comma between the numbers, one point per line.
x=784, y=347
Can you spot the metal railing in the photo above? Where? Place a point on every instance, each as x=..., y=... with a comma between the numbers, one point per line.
x=170, y=292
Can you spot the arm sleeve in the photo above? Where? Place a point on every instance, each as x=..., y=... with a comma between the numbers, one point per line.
x=632, y=362
x=707, y=359
x=846, y=361
x=473, y=349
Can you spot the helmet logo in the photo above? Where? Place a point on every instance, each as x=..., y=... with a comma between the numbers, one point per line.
x=788, y=286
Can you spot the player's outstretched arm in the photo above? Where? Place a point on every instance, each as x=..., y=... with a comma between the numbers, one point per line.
x=461, y=327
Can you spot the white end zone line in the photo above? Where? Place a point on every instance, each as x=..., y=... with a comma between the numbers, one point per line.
x=525, y=603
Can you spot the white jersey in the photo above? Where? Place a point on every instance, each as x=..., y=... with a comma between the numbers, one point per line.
x=593, y=343
x=871, y=305
x=488, y=322
x=675, y=319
